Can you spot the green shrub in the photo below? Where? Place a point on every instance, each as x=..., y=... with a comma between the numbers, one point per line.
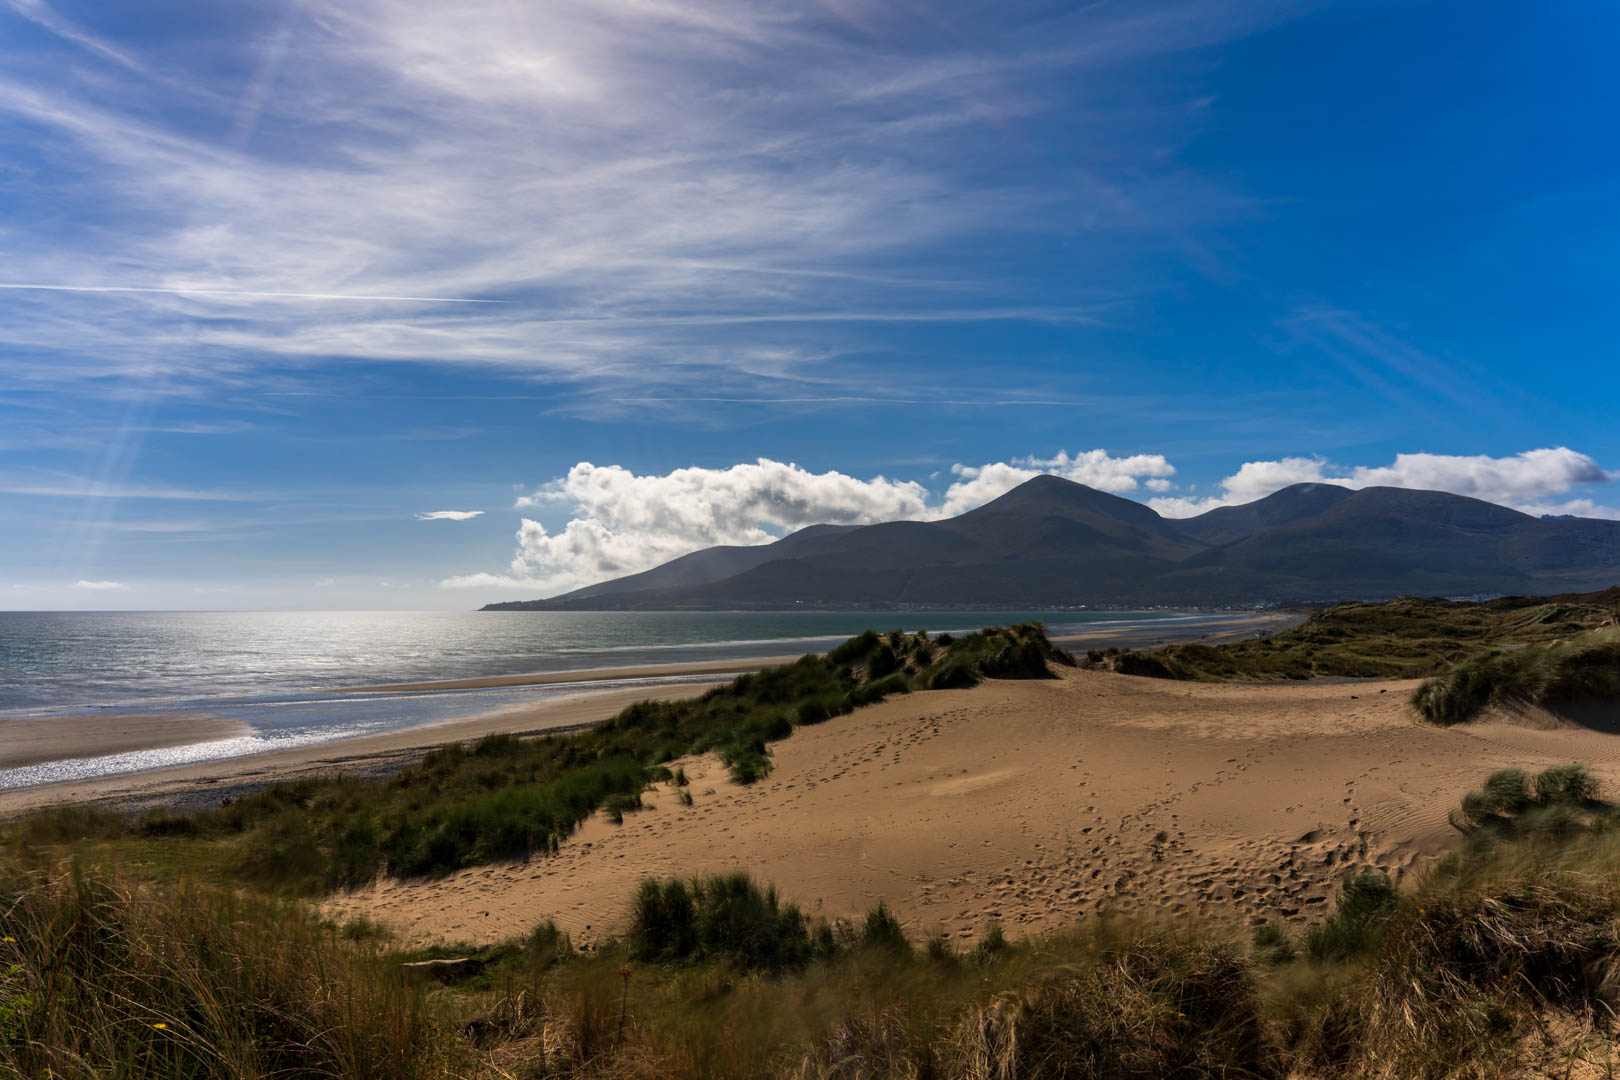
x=855, y=649
x=881, y=930
x=1553, y=676
x=1569, y=785
x=1364, y=904
x=725, y=917
x=950, y=675
x=813, y=711
x=882, y=661
x=1562, y=800
x=547, y=944
x=614, y=807
x=991, y=946
x=1272, y=945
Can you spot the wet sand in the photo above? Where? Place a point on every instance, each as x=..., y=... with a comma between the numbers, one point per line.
x=31, y=740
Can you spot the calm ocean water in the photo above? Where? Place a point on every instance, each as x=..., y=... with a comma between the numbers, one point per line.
x=272, y=670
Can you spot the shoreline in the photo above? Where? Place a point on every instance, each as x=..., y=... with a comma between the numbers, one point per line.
x=583, y=675
x=39, y=739
x=204, y=783
x=1216, y=630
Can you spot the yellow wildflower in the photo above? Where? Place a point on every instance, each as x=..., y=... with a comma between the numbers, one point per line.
x=160, y=1025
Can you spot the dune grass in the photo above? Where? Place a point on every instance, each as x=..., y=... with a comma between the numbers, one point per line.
x=1500, y=958
x=100, y=978
x=1552, y=676
x=504, y=797
x=1398, y=639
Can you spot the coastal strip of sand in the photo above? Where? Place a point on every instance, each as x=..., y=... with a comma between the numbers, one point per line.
x=208, y=783
x=31, y=740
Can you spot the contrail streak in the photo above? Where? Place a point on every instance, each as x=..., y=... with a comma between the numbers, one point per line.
x=243, y=292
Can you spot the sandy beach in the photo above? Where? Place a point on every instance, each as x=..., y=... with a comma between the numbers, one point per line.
x=207, y=783
x=1033, y=804
x=32, y=739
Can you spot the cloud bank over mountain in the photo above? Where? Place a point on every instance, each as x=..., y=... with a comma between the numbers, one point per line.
x=1525, y=481
x=621, y=523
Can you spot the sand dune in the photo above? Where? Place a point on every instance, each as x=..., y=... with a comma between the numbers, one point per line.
x=1033, y=804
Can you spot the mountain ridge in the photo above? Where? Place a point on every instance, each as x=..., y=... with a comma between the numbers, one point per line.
x=1051, y=542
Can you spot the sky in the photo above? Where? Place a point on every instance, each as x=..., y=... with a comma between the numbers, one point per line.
x=404, y=304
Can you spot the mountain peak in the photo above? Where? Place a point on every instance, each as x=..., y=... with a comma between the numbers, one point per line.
x=1061, y=494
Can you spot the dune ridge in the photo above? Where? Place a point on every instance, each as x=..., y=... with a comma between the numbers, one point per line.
x=1030, y=804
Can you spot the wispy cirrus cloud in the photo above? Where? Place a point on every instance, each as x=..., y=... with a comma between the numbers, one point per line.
x=58, y=485
x=651, y=191
x=244, y=294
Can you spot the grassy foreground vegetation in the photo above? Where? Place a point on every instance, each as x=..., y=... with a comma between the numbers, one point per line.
x=1408, y=638
x=1552, y=652
x=1552, y=676
x=505, y=797
x=1504, y=961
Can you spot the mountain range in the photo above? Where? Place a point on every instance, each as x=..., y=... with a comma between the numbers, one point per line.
x=1053, y=543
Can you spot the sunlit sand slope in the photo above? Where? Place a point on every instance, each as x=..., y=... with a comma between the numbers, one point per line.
x=1032, y=804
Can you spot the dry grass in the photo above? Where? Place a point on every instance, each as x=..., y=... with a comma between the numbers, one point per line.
x=1556, y=675
x=1504, y=959
x=100, y=978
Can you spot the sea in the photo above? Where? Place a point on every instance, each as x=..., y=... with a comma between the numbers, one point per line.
x=275, y=671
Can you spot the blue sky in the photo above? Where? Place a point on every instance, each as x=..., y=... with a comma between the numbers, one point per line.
x=612, y=280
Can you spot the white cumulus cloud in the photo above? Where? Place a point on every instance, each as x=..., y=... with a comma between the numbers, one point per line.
x=449, y=515
x=621, y=522
x=978, y=484
x=1525, y=481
